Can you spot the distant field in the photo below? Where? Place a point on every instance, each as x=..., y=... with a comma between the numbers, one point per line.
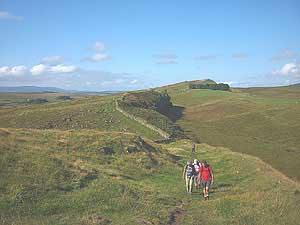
x=264, y=122
x=88, y=177
x=9, y=100
x=288, y=92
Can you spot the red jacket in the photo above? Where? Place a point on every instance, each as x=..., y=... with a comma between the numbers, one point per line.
x=206, y=172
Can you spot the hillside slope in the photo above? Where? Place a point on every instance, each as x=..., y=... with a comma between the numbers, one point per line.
x=264, y=122
x=95, y=112
x=89, y=177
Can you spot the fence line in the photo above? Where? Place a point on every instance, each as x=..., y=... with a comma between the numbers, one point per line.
x=143, y=122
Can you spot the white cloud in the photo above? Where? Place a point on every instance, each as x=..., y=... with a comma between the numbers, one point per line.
x=36, y=70
x=62, y=69
x=18, y=70
x=288, y=69
x=39, y=69
x=133, y=81
x=58, y=69
x=98, y=46
x=52, y=60
x=286, y=54
x=4, y=70
x=8, y=16
x=14, y=71
x=99, y=57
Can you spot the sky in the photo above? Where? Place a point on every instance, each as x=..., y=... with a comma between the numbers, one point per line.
x=127, y=45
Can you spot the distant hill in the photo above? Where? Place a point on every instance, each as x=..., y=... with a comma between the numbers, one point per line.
x=295, y=84
x=36, y=89
x=26, y=89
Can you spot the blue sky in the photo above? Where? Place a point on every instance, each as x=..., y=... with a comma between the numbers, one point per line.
x=120, y=45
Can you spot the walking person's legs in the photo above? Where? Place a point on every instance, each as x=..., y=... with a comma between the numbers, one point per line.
x=207, y=190
x=187, y=182
x=205, y=185
x=191, y=184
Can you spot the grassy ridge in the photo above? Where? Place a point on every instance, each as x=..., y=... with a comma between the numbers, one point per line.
x=65, y=177
x=155, y=118
x=96, y=112
x=264, y=122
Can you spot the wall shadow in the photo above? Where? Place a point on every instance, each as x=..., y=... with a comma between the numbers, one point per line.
x=174, y=113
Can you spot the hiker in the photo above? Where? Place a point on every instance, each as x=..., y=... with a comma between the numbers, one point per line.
x=207, y=177
x=189, y=174
x=193, y=147
x=197, y=166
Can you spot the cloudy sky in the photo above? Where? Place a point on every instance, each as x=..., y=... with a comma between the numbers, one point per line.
x=124, y=45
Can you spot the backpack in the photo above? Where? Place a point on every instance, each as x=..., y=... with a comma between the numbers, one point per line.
x=190, y=171
x=197, y=167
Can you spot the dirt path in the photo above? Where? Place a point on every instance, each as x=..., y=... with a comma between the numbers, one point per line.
x=176, y=217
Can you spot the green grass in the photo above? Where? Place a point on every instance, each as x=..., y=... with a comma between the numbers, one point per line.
x=155, y=118
x=63, y=177
x=55, y=167
x=95, y=112
x=263, y=122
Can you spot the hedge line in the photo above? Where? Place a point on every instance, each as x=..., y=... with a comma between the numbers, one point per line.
x=220, y=86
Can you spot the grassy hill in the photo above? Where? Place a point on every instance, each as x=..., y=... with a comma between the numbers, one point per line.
x=263, y=122
x=85, y=162
x=89, y=177
x=95, y=112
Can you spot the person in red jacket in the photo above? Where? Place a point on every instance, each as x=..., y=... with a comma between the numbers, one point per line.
x=207, y=177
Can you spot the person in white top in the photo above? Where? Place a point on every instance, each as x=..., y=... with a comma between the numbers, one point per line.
x=197, y=166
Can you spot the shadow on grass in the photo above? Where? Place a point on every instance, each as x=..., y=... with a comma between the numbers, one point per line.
x=222, y=187
x=88, y=178
x=174, y=113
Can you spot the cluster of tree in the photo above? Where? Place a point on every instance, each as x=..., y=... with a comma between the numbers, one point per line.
x=65, y=97
x=149, y=100
x=220, y=86
x=37, y=101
